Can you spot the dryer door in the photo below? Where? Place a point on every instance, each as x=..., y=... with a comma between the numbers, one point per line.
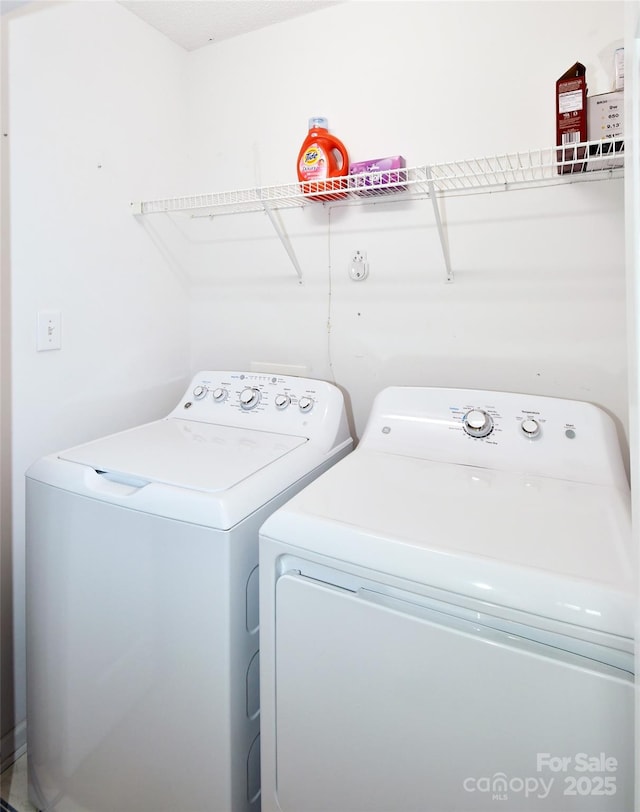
x=390, y=705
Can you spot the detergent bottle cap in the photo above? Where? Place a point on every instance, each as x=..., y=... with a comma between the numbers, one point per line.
x=318, y=121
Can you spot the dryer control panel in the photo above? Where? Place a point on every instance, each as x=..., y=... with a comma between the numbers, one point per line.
x=564, y=439
x=276, y=403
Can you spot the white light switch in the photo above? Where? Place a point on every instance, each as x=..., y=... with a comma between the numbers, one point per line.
x=49, y=330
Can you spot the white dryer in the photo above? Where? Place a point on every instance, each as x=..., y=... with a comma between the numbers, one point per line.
x=447, y=615
x=142, y=596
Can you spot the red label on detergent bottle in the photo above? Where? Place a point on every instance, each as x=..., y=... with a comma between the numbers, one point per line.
x=322, y=159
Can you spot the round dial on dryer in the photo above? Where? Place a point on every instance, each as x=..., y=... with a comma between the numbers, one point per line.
x=249, y=398
x=199, y=392
x=477, y=423
x=530, y=428
x=220, y=394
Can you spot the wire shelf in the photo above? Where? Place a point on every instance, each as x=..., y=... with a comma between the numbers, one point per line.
x=575, y=162
x=589, y=160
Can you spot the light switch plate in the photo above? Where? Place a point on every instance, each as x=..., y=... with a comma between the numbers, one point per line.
x=49, y=330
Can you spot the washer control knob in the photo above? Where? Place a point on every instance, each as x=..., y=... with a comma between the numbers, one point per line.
x=477, y=423
x=199, y=392
x=249, y=398
x=220, y=394
x=530, y=428
x=282, y=401
x=305, y=404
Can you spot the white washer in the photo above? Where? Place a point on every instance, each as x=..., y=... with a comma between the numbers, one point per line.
x=447, y=615
x=142, y=596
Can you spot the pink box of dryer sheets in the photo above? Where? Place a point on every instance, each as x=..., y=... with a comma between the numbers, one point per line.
x=377, y=172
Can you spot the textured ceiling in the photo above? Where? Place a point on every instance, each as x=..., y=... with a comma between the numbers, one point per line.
x=9, y=5
x=194, y=23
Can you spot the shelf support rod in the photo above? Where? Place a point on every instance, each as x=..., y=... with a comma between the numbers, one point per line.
x=441, y=234
x=284, y=239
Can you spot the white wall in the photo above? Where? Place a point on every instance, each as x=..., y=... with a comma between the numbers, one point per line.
x=6, y=597
x=632, y=171
x=538, y=301
x=104, y=110
x=95, y=120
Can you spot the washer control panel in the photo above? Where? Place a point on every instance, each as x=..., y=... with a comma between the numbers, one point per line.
x=530, y=433
x=277, y=403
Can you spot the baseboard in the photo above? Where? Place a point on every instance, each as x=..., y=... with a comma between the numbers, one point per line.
x=13, y=745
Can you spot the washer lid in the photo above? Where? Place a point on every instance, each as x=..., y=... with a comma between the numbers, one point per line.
x=196, y=456
x=553, y=548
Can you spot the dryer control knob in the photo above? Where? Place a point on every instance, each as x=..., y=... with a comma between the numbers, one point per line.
x=530, y=428
x=249, y=398
x=220, y=394
x=282, y=401
x=199, y=392
x=477, y=423
x=305, y=404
